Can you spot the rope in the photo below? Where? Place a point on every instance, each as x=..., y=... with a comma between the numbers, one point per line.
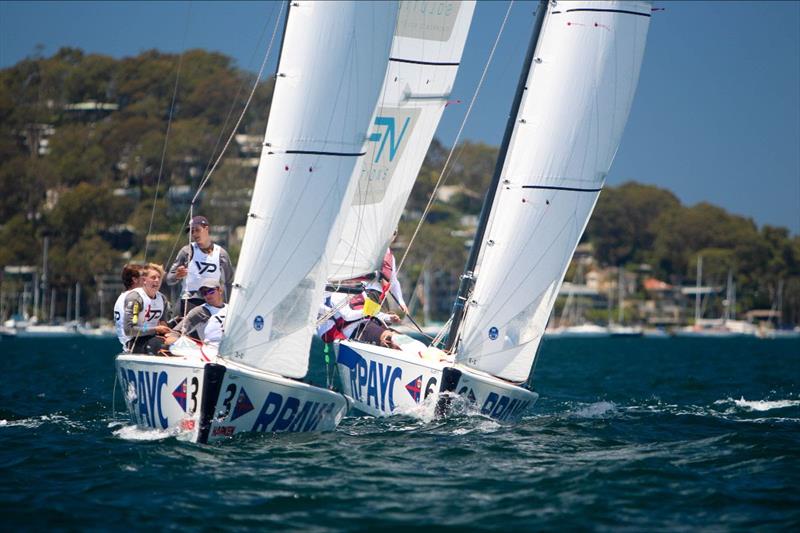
x=442, y=176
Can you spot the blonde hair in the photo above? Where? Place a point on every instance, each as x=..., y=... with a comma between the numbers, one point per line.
x=155, y=266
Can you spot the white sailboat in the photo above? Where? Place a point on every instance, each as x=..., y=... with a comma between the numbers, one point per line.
x=333, y=60
x=727, y=325
x=566, y=122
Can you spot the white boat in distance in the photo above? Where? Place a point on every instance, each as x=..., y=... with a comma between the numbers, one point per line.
x=566, y=122
x=333, y=59
x=26, y=330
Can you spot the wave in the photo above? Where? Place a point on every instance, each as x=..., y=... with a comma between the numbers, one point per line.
x=765, y=405
x=600, y=409
x=134, y=433
x=35, y=422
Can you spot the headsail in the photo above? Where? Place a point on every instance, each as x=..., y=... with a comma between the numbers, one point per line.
x=332, y=64
x=426, y=51
x=579, y=92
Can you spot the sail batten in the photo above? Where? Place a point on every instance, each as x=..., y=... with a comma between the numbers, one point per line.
x=426, y=52
x=578, y=94
x=333, y=61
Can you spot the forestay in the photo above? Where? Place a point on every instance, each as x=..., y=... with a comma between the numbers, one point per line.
x=579, y=91
x=426, y=51
x=333, y=61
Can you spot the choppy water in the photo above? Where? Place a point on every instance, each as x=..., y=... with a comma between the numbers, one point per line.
x=628, y=434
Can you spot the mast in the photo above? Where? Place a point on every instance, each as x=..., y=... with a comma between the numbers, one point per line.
x=468, y=278
x=697, y=288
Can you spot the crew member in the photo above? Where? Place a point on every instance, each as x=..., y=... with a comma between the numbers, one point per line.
x=196, y=261
x=146, y=310
x=131, y=279
x=206, y=322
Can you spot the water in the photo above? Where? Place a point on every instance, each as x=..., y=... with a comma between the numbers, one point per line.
x=628, y=434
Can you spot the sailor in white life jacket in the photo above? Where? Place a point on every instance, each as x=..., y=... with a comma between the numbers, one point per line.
x=348, y=321
x=146, y=312
x=205, y=322
x=131, y=279
x=197, y=261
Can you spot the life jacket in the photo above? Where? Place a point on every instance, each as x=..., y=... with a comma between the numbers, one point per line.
x=153, y=308
x=201, y=266
x=119, y=323
x=215, y=327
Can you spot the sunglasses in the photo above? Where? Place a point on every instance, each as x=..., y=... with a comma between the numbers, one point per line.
x=206, y=292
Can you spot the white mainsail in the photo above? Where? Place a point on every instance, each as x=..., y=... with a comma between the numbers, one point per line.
x=580, y=89
x=333, y=61
x=426, y=51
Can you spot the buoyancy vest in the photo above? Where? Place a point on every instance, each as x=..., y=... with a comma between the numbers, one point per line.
x=215, y=327
x=119, y=323
x=201, y=265
x=152, y=309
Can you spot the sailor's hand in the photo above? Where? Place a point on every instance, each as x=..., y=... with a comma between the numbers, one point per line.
x=404, y=308
x=392, y=318
x=162, y=329
x=181, y=272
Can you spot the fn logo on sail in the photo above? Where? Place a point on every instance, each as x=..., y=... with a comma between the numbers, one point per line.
x=389, y=135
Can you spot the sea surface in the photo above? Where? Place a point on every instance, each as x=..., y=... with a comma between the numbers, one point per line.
x=628, y=434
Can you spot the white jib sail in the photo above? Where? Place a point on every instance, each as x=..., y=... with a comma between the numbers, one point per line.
x=426, y=52
x=579, y=92
x=333, y=61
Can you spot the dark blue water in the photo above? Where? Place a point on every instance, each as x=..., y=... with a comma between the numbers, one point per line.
x=628, y=434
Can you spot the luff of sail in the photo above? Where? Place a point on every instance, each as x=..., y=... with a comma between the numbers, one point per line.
x=332, y=64
x=580, y=88
x=426, y=51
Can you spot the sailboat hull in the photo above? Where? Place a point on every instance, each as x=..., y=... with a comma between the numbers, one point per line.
x=384, y=382
x=203, y=399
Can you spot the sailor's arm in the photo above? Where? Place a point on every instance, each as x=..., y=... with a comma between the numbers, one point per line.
x=169, y=312
x=132, y=321
x=194, y=318
x=227, y=272
x=178, y=270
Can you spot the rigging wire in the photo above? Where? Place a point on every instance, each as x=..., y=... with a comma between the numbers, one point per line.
x=244, y=111
x=222, y=131
x=236, y=127
x=169, y=126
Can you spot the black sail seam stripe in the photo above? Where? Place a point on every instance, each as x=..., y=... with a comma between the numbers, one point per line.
x=416, y=62
x=314, y=152
x=596, y=10
x=550, y=188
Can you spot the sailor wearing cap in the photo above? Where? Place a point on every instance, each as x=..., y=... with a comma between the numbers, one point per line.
x=206, y=322
x=197, y=261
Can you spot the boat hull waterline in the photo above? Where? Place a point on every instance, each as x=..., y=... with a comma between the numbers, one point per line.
x=211, y=400
x=384, y=382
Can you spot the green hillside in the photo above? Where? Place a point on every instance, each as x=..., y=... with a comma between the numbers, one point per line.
x=84, y=164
